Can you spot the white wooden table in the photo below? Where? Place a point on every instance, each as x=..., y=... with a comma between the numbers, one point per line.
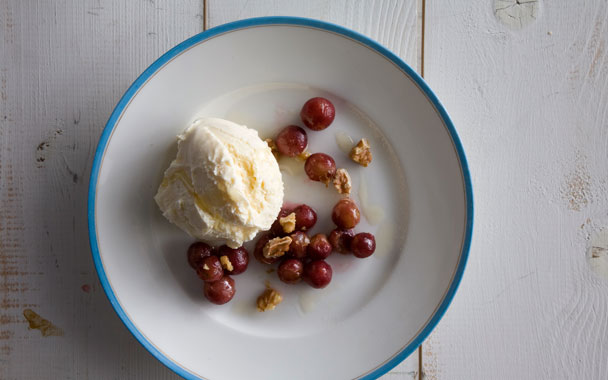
x=526, y=83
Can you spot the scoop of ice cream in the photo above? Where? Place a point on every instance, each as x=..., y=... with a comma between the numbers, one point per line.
x=224, y=186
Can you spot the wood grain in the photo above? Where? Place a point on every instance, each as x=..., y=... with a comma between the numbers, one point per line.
x=530, y=106
x=63, y=67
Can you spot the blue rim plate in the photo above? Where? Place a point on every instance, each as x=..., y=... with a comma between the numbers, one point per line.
x=243, y=24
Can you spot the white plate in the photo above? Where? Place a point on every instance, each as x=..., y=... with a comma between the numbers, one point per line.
x=259, y=72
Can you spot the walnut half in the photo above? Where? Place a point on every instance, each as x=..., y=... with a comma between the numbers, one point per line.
x=361, y=153
x=342, y=181
x=276, y=247
x=288, y=223
x=269, y=299
x=226, y=264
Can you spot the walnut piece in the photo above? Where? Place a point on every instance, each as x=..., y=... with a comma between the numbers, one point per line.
x=288, y=223
x=269, y=299
x=361, y=153
x=226, y=264
x=304, y=155
x=273, y=148
x=342, y=181
x=276, y=247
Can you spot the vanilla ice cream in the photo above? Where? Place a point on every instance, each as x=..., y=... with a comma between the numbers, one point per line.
x=224, y=186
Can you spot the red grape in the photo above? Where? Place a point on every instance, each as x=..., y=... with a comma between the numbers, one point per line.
x=306, y=217
x=210, y=269
x=197, y=252
x=320, y=167
x=299, y=243
x=292, y=141
x=341, y=239
x=221, y=291
x=319, y=247
x=239, y=258
x=363, y=245
x=290, y=271
x=346, y=213
x=318, y=113
x=317, y=273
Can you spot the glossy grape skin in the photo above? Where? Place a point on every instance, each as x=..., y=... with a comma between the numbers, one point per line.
x=363, y=245
x=197, y=252
x=317, y=273
x=318, y=113
x=239, y=258
x=292, y=141
x=258, y=253
x=319, y=247
x=290, y=271
x=221, y=291
x=320, y=167
x=346, y=214
x=214, y=270
x=306, y=217
x=299, y=245
x=341, y=239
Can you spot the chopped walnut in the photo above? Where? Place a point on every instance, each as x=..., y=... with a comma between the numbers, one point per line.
x=288, y=223
x=342, y=181
x=273, y=148
x=269, y=299
x=304, y=155
x=361, y=153
x=276, y=247
x=226, y=264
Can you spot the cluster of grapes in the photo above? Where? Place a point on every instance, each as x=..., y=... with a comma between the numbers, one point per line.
x=305, y=259
x=214, y=267
x=317, y=114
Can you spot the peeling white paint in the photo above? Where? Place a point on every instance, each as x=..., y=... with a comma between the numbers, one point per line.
x=516, y=13
x=597, y=253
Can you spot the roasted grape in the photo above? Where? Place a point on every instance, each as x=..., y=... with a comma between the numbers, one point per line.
x=299, y=244
x=197, y=252
x=290, y=271
x=320, y=167
x=318, y=113
x=317, y=273
x=341, y=239
x=363, y=245
x=346, y=214
x=306, y=217
x=210, y=269
x=319, y=247
x=221, y=291
x=239, y=259
x=292, y=141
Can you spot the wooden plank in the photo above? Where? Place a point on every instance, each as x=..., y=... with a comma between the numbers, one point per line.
x=63, y=67
x=529, y=102
x=393, y=23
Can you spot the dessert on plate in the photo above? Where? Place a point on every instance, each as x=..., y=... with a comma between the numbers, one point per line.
x=225, y=187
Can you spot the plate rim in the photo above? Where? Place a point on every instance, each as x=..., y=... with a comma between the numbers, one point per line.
x=268, y=21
